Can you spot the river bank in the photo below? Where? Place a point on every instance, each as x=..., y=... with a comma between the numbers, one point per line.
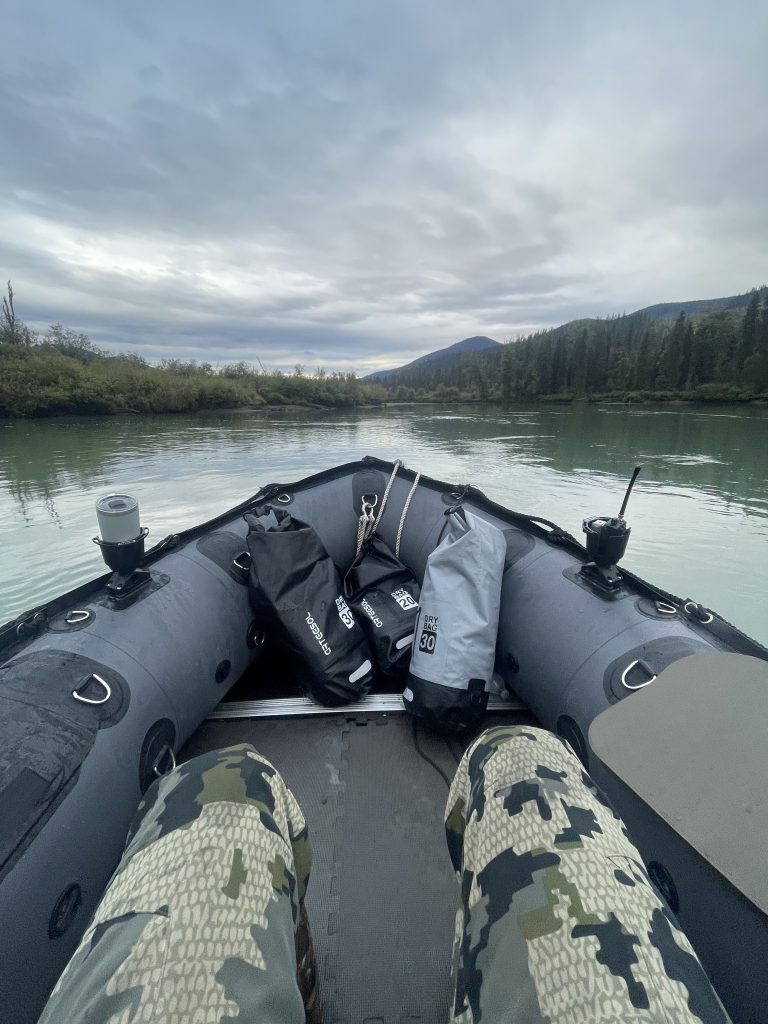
x=90, y=409
x=39, y=381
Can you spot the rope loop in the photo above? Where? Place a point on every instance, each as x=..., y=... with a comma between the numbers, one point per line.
x=406, y=506
x=368, y=523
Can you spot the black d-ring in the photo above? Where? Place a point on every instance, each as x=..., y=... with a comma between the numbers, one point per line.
x=697, y=611
x=256, y=637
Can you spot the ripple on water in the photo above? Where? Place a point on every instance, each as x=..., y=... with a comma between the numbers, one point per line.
x=521, y=437
x=684, y=460
x=706, y=497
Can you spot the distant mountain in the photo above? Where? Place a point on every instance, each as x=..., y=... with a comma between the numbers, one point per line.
x=697, y=307
x=451, y=353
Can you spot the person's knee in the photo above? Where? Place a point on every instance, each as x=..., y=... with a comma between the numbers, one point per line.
x=512, y=754
x=207, y=899
x=501, y=756
x=552, y=888
x=519, y=748
x=234, y=775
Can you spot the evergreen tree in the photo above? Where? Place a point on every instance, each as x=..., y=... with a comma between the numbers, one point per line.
x=670, y=363
x=643, y=374
x=756, y=366
x=749, y=330
x=579, y=363
x=686, y=356
x=507, y=372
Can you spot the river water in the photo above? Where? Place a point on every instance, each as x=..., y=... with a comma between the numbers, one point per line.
x=699, y=512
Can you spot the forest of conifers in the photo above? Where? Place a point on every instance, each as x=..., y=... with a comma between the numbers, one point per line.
x=720, y=356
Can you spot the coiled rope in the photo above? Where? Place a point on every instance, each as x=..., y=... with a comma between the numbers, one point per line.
x=368, y=523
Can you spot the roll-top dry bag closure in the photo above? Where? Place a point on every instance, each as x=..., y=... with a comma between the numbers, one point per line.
x=455, y=643
x=384, y=595
x=295, y=590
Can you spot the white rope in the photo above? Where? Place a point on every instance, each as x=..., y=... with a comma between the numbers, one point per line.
x=365, y=524
x=368, y=523
x=388, y=488
x=405, y=513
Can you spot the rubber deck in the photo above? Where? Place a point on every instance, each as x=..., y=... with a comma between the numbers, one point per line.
x=382, y=895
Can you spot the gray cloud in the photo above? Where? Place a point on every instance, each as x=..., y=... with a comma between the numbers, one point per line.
x=356, y=184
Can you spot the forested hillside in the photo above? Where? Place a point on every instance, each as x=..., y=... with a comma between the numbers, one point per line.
x=479, y=343
x=696, y=307
x=722, y=355
x=718, y=356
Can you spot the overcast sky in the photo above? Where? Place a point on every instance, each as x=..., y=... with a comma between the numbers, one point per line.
x=356, y=183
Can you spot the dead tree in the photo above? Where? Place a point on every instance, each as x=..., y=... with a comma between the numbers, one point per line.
x=10, y=327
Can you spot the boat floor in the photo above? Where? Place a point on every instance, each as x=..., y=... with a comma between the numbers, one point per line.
x=382, y=895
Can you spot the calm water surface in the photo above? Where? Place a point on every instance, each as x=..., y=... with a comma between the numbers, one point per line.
x=699, y=512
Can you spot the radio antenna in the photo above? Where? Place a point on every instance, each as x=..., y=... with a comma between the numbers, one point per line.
x=629, y=491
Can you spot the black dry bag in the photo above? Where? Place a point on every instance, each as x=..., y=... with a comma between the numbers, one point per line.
x=384, y=595
x=295, y=590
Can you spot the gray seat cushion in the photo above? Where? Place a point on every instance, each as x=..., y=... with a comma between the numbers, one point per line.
x=693, y=745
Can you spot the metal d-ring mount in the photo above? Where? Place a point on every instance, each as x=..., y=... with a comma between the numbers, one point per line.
x=243, y=565
x=255, y=636
x=284, y=499
x=76, y=616
x=628, y=669
x=694, y=610
x=665, y=608
x=88, y=700
x=166, y=751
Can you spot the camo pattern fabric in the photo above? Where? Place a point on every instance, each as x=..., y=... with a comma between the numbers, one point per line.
x=204, y=920
x=558, y=921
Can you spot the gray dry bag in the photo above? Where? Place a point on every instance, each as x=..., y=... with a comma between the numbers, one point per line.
x=455, y=643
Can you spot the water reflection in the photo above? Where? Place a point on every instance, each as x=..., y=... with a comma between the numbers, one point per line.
x=699, y=512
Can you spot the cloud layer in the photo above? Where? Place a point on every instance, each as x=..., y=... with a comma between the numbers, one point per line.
x=348, y=184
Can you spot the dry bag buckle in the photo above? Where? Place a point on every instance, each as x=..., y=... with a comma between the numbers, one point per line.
x=476, y=690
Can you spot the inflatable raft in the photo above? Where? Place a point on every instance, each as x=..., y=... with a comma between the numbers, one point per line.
x=100, y=691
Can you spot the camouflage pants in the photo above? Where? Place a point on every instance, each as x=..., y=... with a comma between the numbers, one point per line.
x=557, y=921
x=203, y=921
